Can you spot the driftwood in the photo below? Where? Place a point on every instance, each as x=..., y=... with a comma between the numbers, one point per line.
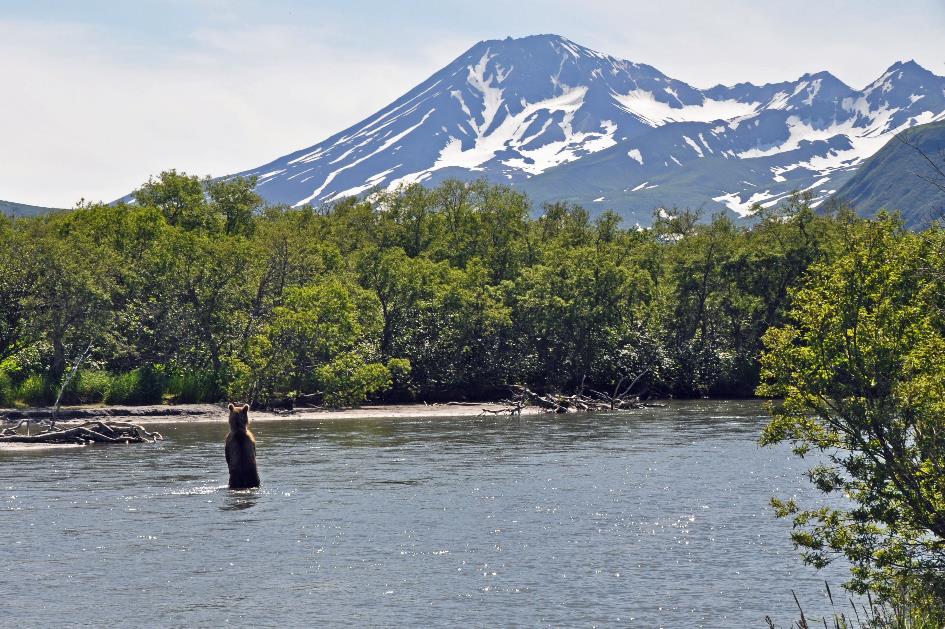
x=88, y=432
x=559, y=403
x=512, y=407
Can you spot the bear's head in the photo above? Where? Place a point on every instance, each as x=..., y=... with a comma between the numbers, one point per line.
x=239, y=417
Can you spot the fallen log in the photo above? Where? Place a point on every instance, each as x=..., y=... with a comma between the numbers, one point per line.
x=511, y=407
x=558, y=403
x=88, y=432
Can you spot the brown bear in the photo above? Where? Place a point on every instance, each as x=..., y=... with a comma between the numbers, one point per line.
x=241, y=450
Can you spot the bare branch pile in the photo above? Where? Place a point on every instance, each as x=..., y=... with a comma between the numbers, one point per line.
x=88, y=432
x=522, y=396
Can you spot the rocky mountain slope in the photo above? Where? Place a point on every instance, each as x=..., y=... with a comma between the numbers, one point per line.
x=9, y=208
x=563, y=122
x=908, y=175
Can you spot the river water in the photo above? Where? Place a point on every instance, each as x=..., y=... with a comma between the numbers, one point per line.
x=655, y=518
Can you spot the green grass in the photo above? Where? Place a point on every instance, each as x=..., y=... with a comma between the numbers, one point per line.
x=913, y=611
x=36, y=390
x=144, y=385
x=190, y=387
x=139, y=386
x=6, y=390
x=89, y=387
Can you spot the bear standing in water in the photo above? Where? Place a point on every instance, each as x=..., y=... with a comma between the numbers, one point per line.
x=241, y=450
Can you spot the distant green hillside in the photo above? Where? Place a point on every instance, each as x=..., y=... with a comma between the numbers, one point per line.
x=892, y=179
x=9, y=208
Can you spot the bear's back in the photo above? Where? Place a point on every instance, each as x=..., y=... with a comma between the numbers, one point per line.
x=241, y=460
x=241, y=450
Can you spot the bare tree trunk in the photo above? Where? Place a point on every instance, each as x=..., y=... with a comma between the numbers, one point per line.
x=68, y=378
x=58, y=366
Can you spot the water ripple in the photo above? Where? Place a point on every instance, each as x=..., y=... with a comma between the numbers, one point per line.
x=652, y=518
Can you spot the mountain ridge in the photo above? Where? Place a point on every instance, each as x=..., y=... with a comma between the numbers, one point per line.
x=13, y=209
x=532, y=111
x=905, y=176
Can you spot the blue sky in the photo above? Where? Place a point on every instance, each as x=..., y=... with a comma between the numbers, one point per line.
x=102, y=93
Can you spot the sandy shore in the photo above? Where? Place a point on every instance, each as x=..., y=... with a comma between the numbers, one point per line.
x=393, y=411
x=189, y=413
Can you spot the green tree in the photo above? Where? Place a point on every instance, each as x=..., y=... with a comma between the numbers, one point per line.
x=16, y=277
x=235, y=201
x=199, y=283
x=208, y=288
x=572, y=307
x=70, y=300
x=182, y=199
x=317, y=326
x=348, y=380
x=859, y=370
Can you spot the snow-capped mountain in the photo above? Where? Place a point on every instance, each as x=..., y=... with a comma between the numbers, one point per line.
x=561, y=121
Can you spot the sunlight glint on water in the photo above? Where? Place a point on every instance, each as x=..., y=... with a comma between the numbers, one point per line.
x=659, y=517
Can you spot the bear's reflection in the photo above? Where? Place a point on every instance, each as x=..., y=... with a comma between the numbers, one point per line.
x=239, y=500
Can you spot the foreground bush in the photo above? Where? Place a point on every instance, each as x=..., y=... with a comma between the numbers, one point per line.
x=859, y=368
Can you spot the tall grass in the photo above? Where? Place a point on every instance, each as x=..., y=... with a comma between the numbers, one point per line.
x=192, y=387
x=912, y=611
x=6, y=390
x=144, y=385
x=89, y=387
x=36, y=390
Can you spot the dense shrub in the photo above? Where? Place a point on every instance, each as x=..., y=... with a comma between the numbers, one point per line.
x=36, y=390
x=859, y=369
x=90, y=387
x=192, y=387
x=6, y=390
x=139, y=386
x=349, y=381
x=461, y=281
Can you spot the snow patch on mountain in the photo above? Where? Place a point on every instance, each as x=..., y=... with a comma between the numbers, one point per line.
x=657, y=113
x=531, y=112
x=863, y=141
x=743, y=203
x=383, y=147
x=695, y=147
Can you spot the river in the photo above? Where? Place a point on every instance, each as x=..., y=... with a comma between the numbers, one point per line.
x=654, y=518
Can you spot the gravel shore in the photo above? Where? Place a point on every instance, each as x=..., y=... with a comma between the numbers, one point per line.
x=185, y=413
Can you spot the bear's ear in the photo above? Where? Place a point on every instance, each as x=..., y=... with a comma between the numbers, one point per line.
x=231, y=406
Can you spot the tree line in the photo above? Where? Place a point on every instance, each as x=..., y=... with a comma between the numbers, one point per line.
x=198, y=291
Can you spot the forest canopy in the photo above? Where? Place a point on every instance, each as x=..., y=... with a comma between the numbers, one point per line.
x=197, y=291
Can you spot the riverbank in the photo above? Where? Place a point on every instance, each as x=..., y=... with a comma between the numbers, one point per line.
x=192, y=413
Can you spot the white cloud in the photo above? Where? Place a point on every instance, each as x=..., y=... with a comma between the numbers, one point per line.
x=83, y=116
x=706, y=43
x=214, y=87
